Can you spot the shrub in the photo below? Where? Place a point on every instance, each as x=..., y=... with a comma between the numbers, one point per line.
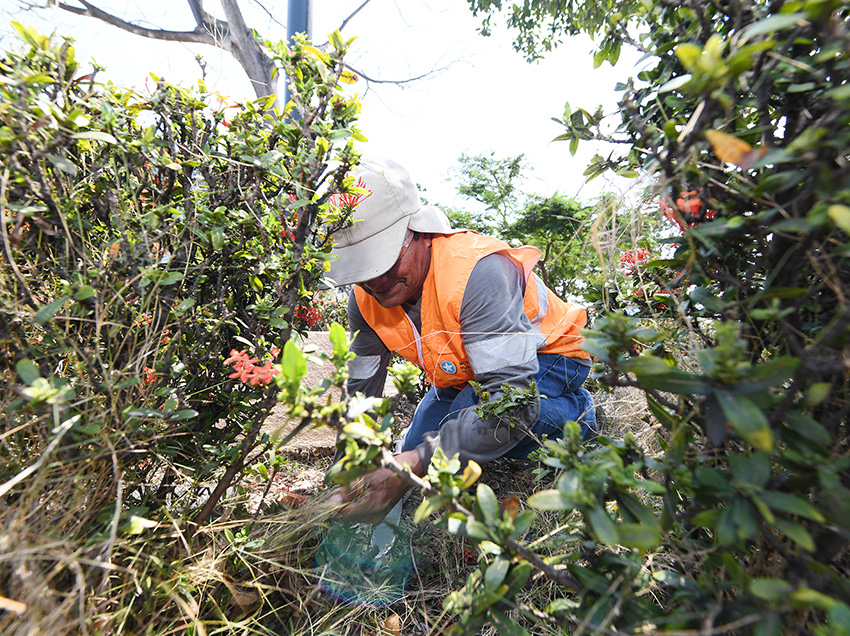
x=155, y=249
x=741, y=522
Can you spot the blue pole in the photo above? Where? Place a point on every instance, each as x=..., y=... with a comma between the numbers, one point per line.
x=299, y=19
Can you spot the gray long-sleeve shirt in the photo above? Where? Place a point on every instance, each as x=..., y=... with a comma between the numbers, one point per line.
x=501, y=345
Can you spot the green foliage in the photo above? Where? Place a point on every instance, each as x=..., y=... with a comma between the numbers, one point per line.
x=556, y=225
x=407, y=378
x=559, y=227
x=147, y=237
x=493, y=183
x=738, y=326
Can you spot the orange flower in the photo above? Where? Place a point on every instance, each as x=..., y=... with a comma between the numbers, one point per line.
x=246, y=370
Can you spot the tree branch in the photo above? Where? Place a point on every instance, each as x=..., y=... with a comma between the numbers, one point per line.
x=198, y=36
x=372, y=80
x=353, y=13
x=247, y=51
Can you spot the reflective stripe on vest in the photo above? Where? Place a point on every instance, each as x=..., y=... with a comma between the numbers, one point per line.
x=439, y=349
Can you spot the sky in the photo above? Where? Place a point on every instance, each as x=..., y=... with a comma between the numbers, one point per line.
x=482, y=97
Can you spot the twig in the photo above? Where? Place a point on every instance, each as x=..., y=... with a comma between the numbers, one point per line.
x=14, y=481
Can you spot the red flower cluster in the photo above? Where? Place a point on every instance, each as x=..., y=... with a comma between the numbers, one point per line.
x=630, y=259
x=150, y=375
x=245, y=368
x=311, y=315
x=348, y=201
x=690, y=211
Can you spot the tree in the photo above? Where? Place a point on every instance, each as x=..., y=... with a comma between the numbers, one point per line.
x=556, y=225
x=493, y=183
x=559, y=227
x=231, y=34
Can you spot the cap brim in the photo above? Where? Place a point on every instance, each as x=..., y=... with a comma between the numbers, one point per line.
x=369, y=257
x=431, y=220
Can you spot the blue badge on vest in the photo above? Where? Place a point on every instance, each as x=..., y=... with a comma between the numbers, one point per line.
x=448, y=367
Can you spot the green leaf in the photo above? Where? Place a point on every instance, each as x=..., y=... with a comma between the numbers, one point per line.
x=186, y=304
x=602, y=525
x=183, y=414
x=63, y=164
x=85, y=291
x=713, y=479
x=505, y=626
x=588, y=578
x=750, y=469
x=523, y=522
x=688, y=54
x=655, y=373
x=792, y=504
x=477, y=530
x=772, y=24
x=339, y=339
x=765, y=376
x=746, y=419
x=27, y=371
x=797, y=533
x=96, y=135
x=142, y=412
x=293, y=366
x=812, y=598
x=426, y=508
x=840, y=215
x=770, y=589
x=29, y=35
x=496, y=573
x=726, y=527
x=550, y=500
x=488, y=503
x=171, y=277
x=137, y=525
x=632, y=510
x=808, y=427
x=667, y=419
x=639, y=535
x=49, y=310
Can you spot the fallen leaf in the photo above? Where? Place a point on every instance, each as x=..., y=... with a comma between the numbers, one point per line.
x=392, y=625
x=511, y=506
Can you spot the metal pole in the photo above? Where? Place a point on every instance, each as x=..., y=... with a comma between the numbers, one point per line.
x=299, y=19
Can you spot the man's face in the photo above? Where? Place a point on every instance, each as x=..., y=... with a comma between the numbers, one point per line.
x=404, y=280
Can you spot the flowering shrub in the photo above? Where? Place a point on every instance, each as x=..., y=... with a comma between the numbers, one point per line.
x=142, y=239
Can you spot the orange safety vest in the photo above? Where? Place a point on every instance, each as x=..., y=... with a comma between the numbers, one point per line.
x=439, y=349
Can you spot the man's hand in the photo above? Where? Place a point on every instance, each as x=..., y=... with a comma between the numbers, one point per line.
x=382, y=489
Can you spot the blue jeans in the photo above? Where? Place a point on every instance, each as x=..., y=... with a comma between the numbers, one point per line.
x=559, y=378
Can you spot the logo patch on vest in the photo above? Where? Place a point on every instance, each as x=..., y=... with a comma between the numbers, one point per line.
x=448, y=367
